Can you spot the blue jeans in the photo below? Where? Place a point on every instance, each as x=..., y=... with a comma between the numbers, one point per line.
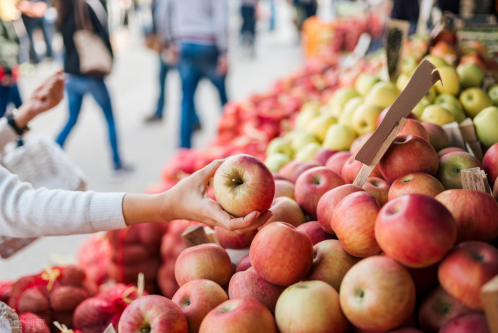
x=76, y=88
x=9, y=95
x=31, y=24
x=163, y=74
x=197, y=61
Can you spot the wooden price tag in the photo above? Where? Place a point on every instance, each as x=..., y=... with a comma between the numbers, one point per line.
x=423, y=17
x=396, y=34
x=489, y=299
x=10, y=246
x=475, y=179
x=198, y=235
x=110, y=329
x=454, y=135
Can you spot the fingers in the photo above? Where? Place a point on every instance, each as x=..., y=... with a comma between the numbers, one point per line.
x=254, y=224
x=208, y=171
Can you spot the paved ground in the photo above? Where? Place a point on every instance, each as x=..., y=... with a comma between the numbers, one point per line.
x=134, y=89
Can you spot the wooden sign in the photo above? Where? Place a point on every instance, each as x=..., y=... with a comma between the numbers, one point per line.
x=454, y=135
x=359, y=51
x=489, y=299
x=423, y=17
x=396, y=34
x=10, y=246
x=198, y=235
x=475, y=179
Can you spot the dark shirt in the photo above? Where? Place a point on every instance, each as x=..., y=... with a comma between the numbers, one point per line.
x=407, y=10
x=452, y=6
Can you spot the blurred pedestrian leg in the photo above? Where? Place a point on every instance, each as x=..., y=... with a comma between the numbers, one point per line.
x=9, y=94
x=248, y=29
x=272, y=15
x=33, y=16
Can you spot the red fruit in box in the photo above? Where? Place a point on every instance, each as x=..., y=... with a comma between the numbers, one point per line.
x=337, y=161
x=490, y=163
x=467, y=323
x=379, y=188
x=244, y=264
x=315, y=232
x=66, y=298
x=31, y=323
x=233, y=240
x=5, y=290
x=352, y=168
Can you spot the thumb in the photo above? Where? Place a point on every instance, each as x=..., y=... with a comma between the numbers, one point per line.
x=208, y=171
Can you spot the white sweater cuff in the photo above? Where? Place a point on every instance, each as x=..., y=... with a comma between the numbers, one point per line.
x=106, y=211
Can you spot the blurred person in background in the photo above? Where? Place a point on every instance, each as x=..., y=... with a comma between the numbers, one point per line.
x=407, y=10
x=78, y=84
x=304, y=10
x=248, y=10
x=196, y=34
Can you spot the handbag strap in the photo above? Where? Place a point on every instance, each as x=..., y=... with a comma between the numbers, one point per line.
x=82, y=16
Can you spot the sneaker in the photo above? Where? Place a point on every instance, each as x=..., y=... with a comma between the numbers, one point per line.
x=154, y=118
x=121, y=173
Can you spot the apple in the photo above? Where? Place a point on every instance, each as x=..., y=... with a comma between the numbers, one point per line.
x=438, y=115
x=386, y=110
x=336, y=162
x=284, y=188
x=450, y=167
x=301, y=139
x=352, y=168
x=424, y=278
x=445, y=51
x=474, y=100
x=486, y=123
x=323, y=154
x=339, y=137
x=311, y=306
x=403, y=79
x=408, y=154
x=408, y=64
x=153, y=313
x=490, y=163
x=359, y=142
x=244, y=264
x=241, y=315
x=292, y=170
x=409, y=221
x=437, y=136
x=420, y=107
x=307, y=153
x=286, y=210
x=436, y=61
x=331, y=263
x=379, y=188
x=233, y=240
x=382, y=95
x=196, y=299
x=205, y=261
x=415, y=127
x=448, y=150
x=377, y=294
x=365, y=82
x=493, y=94
x=353, y=221
x=342, y=95
x=243, y=184
x=495, y=191
x=447, y=99
x=466, y=269
x=276, y=161
x=279, y=146
x=470, y=75
x=467, y=323
x=417, y=182
x=450, y=80
x=250, y=284
x=437, y=309
x=346, y=116
x=305, y=116
x=364, y=119
x=314, y=183
x=315, y=232
x=456, y=111
x=277, y=262
x=319, y=125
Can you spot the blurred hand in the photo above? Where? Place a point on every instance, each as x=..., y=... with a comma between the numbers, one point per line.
x=170, y=55
x=39, y=9
x=222, y=68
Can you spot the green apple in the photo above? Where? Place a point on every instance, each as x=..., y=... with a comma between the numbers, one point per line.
x=339, y=137
x=419, y=108
x=275, y=161
x=307, y=153
x=365, y=118
x=438, y=62
x=438, y=115
x=470, y=75
x=383, y=95
x=305, y=116
x=319, y=125
x=474, y=100
x=493, y=94
x=455, y=110
x=341, y=96
x=431, y=94
x=451, y=82
x=447, y=98
x=365, y=82
x=348, y=111
x=279, y=146
x=408, y=64
x=301, y=139
x=486, y=123
x=403, y=80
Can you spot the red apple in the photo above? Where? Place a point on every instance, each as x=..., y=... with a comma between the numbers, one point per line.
x=244, y=264
x=241, y=315
x=206, y=261
x=196, y=299
x=408, y=154
x=450, y=167
x=281, y=254
x=352, y=168
x=448, y=150
x=315, y=232
x=314, y=183
x=277, y=176
x=437, y=136
x=490, y=163
x=292, y=170
x=353, y=221
x=495, y=190
x=379, y=188
x=417, y=182
x=233, y=240
x=243, y=184
x=284, y=188
x=331, y=263
x=286, y=210
x=466, y=269
x=337, y=161
x=377, y=294
x=323, y=154
x=153, y=313
x=384, y=112
x=424, y=278
x=467, y=323
x=445, y=51
x=415, y=127
x=359, y=142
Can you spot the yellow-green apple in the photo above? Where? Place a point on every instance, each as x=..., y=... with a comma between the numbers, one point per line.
x=450, y=80
x=415, y=127
x=153, y=313
x=470, y=75
x=408, y=154
x=331, y=263
x=377, y=187
x=455, y=110
x=352, y=168
x=386, y=110
x=233, y=240
x=276, y=161
x=382, y=94
x=490, y=163
x=319, y=125
x=408, y=64
x=243, y=184
x=437, y=136
x=486, y=123
x=307, y=153
x=315, y=232
x=436, y=61
x=305, y=116
x=419, y=108
x=241, y=315
x=292, y=170
x=284, y=188
x=448, y=150
x=244, y=264
x=467, y=323
x=329, y=200
x=474, y=100
x=312, y=184
x=493, y=94
x=250, y=284
x=279, y=146
x=353, y=221
x=364, y=119
x=450, y=167
x=447, y=99
x=336, y=162
x=365, y=82
x=436, y=114
x=417, y=182
x=413, y=219
x=301, y=139
x=196, y=299
x=377, y=294
x=342, y=95
x=205, y=261
x=403, y=79
x=323, y=154
x=346, y=116
x=359, y=142
x=437, y=309
x=277, y=262
x=310, y=306
x=445, y=51
x=466, y=269
x=475, y=212
x=431, y=94
x=286, y=210
x=339, y=137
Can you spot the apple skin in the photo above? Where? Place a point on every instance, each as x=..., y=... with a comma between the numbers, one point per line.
x=352, y=168
x=315, y=232
x=205, y=261
x=277, y=262
x=466, y=269
x=331, y=263
x=286, y=210
x=323, y=154
x=279, y=146
x=314, y=183
x=244, y=264
x=485, y=123
x=437, y=309
x=284, y=188
x=470, y=75
x=359, y=142
x=437, y=136
x=467, y=323
x=311, y=306
x=408, y=154
x=474, y=100
x=275, y=161
x=364, y=118
x=409, y=221
x=379, y=188
x=386, y=110
x=153, y=313
x=339, y=137
x=292, y=170
x=241, y=315
x=417, y=182
x=377, y=294
x=495, y=191
x=250, y=284
x=329, y=201
x=415, y=127
x=383, y=95
x=450, y=167
x=451, y=81
x=448, y=150
x=353, y=221
x=196, y=299
x=437, y=114
x=233, y=240
x=490, y=163
x=252, y=190
x=337, y=161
